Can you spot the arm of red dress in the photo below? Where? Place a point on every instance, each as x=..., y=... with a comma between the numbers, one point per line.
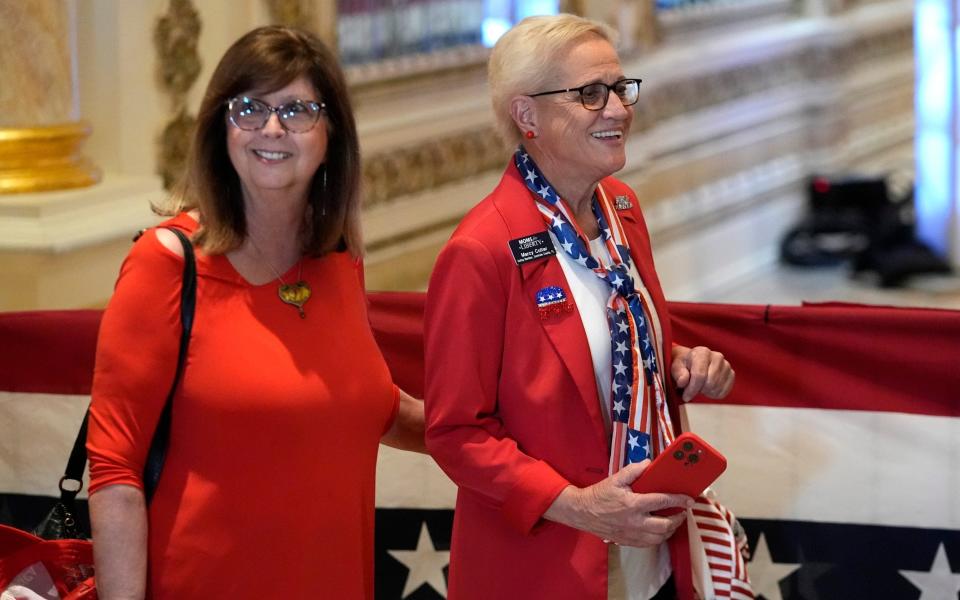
x=464, y=335
x=136, y=359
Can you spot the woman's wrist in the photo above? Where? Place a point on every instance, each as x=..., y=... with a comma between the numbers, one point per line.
x=566, y=508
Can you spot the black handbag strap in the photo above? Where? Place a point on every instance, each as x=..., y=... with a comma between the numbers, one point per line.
x=161, y=436
x=188, y=303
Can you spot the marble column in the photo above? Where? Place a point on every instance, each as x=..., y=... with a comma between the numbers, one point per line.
x=41, y=133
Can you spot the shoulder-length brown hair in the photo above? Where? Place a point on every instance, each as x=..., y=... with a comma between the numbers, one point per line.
x=269, y=58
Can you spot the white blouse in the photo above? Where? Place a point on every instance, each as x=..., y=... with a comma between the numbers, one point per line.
x=634, y=573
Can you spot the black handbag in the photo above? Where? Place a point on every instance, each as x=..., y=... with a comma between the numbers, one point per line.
x=63, y=521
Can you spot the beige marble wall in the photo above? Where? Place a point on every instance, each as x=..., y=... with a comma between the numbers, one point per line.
x=732, y=120
x=37, y=68
x=119, y=90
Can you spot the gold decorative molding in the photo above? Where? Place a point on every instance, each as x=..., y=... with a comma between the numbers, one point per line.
x=407, y=170
x=175, y=145
x=292, y=13
x=34, y=159
x=176, y=35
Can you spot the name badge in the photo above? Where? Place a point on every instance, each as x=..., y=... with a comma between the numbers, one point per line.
x=532, y=247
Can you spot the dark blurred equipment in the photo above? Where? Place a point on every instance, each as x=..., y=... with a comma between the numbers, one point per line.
x=856, y=220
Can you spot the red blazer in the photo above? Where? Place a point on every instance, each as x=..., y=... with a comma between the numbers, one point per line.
x=513, y=414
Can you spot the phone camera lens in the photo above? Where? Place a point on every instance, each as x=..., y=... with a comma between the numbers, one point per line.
x=693, y=458
x=678, y=455
x=688, y=446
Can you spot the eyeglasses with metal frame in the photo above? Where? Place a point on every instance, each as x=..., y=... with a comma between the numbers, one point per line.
x=594, y=96
x=297, y=116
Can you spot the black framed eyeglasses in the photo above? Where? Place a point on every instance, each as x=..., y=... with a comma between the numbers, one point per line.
x=250, y=114
x=594, y=96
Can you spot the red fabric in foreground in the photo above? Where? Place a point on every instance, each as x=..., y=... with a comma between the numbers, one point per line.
x=69, y=564
x=48, y=352
x=833, y=356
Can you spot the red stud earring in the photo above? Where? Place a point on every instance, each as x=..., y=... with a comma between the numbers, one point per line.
x=530, y=135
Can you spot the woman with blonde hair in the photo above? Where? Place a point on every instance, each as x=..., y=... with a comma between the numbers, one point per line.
x=551, y=375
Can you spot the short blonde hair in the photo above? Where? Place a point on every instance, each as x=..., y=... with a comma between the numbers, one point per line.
x=525, y=58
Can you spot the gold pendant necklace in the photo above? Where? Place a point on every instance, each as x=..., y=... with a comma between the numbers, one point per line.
x=295, y=294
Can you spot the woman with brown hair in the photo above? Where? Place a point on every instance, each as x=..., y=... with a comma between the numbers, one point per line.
x=285, y=396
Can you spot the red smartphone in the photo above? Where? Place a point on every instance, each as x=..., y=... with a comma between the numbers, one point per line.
x=687, y=466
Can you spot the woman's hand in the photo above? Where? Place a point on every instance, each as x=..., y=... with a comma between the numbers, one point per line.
x=612, y=511
x=700, y=370
x=406, y=433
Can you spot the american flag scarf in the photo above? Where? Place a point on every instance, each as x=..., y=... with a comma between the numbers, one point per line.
x=641, y=425
x=640, y=421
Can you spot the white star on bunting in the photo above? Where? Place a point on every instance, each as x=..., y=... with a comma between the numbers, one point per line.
x=425, y=564
x=939, y=582
x=766, y=575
